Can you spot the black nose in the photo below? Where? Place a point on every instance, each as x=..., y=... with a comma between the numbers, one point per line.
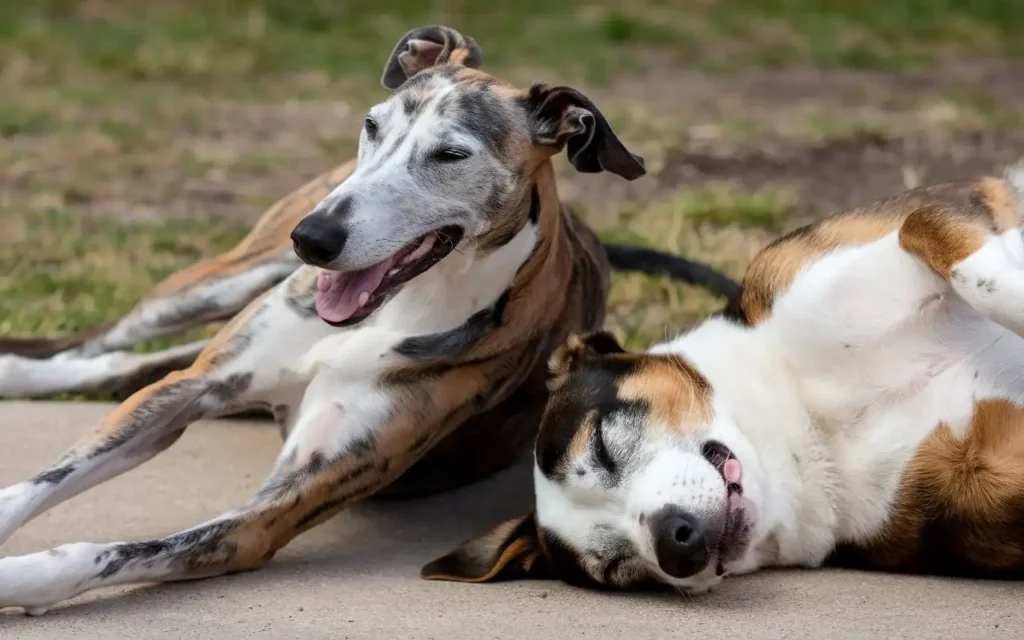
x=679, y=542
x=318, y=239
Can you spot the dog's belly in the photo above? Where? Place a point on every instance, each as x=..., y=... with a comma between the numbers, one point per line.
x=940, y=388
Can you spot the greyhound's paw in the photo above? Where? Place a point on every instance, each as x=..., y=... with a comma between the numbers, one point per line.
x=10, y=368
x=37, y=582
x=16, y=504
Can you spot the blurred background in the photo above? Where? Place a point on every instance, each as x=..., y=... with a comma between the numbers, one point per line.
x=138, y=136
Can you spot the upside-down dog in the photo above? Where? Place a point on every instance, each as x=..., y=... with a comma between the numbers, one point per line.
x=441, y=270
x=862, y=406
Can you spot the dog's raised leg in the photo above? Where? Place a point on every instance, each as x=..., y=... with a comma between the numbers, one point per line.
x=351, y=436
x=236, y=370
x=980, y=252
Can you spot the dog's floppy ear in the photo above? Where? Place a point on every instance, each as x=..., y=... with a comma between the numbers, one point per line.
x=574, y=350
x=428, y=47
x=564, y=117
x=509, y=551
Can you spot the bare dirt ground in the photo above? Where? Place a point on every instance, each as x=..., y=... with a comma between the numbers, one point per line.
x=833, y=139
x=830, y=138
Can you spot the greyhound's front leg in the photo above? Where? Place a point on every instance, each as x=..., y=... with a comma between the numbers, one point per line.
x=351, y=437
x=241, y=367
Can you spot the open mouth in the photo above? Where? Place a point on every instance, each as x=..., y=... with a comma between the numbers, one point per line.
x=346, y=297
x=722, y=458
x=736, y=530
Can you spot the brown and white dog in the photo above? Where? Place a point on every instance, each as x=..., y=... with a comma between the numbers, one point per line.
x=441, y=270
x=862, y=406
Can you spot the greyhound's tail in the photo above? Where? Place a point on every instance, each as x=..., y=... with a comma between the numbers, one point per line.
x=630, y=258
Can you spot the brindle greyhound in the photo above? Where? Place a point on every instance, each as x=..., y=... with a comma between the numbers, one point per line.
x=441, y=269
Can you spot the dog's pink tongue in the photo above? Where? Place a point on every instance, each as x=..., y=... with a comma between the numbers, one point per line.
x=732, y=471
x=340, y=295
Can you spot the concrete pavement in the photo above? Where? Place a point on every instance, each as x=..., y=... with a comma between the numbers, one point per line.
x=356, y=576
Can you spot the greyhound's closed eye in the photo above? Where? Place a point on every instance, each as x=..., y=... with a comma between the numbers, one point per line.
x=451, y=154
x=371, y=127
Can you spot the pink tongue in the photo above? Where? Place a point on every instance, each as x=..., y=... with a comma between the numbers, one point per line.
x=732, y=471
x=337, y=294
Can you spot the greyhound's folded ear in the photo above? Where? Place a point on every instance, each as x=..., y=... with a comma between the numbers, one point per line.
x=509, y=551
x=428, y=47
x=564, y=117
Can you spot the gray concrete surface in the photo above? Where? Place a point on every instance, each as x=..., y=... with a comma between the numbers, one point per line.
x=356, y=576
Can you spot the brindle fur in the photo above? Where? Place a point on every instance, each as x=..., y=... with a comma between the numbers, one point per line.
x=462, y=403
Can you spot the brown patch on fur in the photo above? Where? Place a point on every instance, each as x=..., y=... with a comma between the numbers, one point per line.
x=678, y=395
x=1000, y=198
x=941, y=237
x=563, y=358
x=960, y=507
x=581, y=440
x=510, y=549
x=966, y=208
x=458, y=56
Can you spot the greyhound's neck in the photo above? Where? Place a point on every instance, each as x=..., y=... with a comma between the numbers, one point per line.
x=474, y=277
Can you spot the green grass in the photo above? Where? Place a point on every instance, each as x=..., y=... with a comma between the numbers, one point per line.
x=643, y=308
x=79, y=272
x=219, y=44
x=138, y=137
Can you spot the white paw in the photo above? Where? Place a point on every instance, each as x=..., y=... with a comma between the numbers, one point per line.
x=38, y=581
x=14, y=501
x=9, y=374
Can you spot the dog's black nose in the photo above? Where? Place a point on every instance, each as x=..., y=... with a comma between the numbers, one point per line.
x=318, y=239
x=679, y=542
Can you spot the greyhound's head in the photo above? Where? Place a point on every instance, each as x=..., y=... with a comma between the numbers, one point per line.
x=448, y=160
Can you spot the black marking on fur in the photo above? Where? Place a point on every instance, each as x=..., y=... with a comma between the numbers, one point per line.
x=956, y=275
x=185, y=545
x=601, y=454
x=54, y=475
x=534, y=205
x=340, y=209
x=362, y=446
x=231, y=387
x=410, y=103
x=482, y=114
x=448, y=344
x=988, y=285
x=317, y=463
x=355, y=472
x=334, y=503
x=592, y=387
